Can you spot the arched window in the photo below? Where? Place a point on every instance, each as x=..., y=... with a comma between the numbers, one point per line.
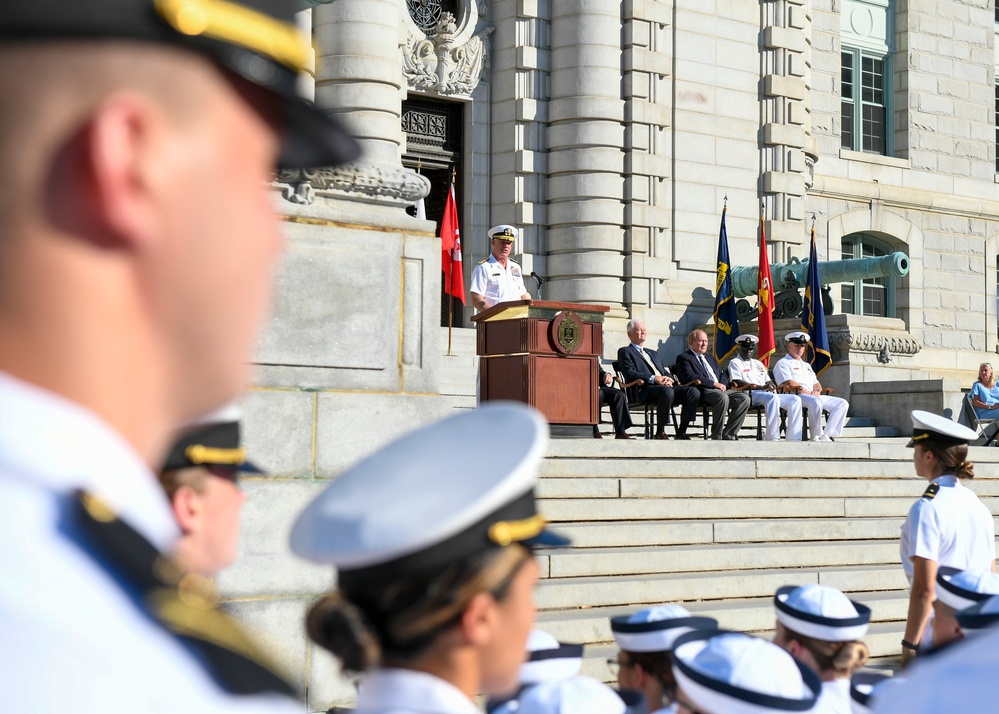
x=871, y=296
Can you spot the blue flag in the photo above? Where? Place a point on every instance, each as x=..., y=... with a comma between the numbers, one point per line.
x=813, y=319
x=726, y=320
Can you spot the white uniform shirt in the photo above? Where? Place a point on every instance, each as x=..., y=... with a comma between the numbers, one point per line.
x=405, y=691
x=953, y=529
x=71, y=639
x=797, y=369
x=498, y=284
x=834, y=698
x=750, y=371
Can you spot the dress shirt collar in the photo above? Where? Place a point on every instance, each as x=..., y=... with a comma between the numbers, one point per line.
x=51, y=443
x=412, y=691
x=947, y=480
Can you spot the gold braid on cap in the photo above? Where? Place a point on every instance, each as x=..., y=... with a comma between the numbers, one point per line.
x=507, y=532
x=200, y=454
x=237, y=24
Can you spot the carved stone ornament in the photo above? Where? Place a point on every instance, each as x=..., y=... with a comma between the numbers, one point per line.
x=447, y=59
x=376, y=184
x=873, y=342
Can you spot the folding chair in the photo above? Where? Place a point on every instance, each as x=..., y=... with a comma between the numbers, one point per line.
x=980, y=425
x=634, y=404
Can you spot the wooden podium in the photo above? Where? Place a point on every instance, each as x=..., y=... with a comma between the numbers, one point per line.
x=545, y=354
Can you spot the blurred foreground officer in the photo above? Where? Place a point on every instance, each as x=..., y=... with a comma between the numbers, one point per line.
x=822, y=628
x=201, y=479
x=956, y=591
x=868, y=688
x=646, y=640
x=576, y=695
x=720, y=672
x=959, y=679
x=980, y=617
x=497, y=278
x=947, y=527
x=136, y=242
x=435, y=570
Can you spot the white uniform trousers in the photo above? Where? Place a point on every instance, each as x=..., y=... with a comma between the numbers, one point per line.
x=837, y=414
x=773, y=403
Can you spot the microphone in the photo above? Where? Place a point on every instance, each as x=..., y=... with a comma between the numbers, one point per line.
x=538, y=278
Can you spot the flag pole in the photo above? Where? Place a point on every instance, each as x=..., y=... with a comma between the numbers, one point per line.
x=450, y=297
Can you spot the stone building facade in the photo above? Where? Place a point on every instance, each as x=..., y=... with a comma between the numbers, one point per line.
x=611, y=132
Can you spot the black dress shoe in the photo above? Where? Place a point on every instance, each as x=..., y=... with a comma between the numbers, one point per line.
x=682, y=437
x=597, y=435
x=623, y=436
x=661, y=437
x=730, y=437
x=717, y=438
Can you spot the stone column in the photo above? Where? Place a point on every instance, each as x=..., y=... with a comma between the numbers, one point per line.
x=359, y=79
x=585, y=186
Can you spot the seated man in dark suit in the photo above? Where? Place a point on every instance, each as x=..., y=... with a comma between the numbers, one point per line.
x=696, y=364
x=617, y=401
x=658, y=384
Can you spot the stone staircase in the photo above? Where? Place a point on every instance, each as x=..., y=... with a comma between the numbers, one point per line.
x=719, y=527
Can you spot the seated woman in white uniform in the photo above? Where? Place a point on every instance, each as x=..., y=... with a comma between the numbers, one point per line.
x=432, y=545
x=821, y=627
x=947, y=526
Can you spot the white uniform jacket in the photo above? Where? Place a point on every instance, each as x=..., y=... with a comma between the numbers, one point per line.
x=497, y=284
x=405, y=691
x=72, y=637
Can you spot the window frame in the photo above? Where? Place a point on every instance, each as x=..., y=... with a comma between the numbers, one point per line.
x=857, y=241
x=858, y=54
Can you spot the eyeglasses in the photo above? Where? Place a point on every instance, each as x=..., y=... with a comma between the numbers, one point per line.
x=616, y=665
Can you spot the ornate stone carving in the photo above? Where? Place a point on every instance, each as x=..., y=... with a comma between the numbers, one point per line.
x=874, y=342
x=358, y=182
x=439, y=64
x=446, y=59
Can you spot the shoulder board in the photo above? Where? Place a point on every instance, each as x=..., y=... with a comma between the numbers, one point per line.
x=931, y=491
x=484, y=260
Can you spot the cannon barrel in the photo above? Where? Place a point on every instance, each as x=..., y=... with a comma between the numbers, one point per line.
x=831, y=271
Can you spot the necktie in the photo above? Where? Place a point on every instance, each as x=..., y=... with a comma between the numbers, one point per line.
x=648, y=360
x=707, y=368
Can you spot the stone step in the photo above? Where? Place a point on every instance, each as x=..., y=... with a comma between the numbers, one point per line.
x=592, y=625
x=591, y=562
x=630, y=509
x=610, y=487
x=560, y=593
x=778, y=466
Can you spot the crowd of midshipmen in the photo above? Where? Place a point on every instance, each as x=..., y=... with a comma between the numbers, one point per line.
x=137, y=139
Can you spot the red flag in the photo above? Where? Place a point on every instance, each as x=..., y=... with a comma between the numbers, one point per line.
x=454, y=278
x=765, y=301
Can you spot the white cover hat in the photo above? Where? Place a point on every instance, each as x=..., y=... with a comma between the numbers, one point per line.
x=504, y=232
x=549, y=660
x=981, y=616
x=731, y=673
x=575, y=695
x=960, y=589
x=747, y=338
x=797, y=336
x=821, y=612
x=927, y=426
x=429, y=498
x=654, y=629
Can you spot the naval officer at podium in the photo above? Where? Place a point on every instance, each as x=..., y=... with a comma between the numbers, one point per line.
x=497, y=278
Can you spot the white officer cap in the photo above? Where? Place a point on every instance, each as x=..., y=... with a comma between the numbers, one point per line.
x=980, y=616
x=429, y=498
x=753, y=339
x=571, y=696
x=504, y=232
x=821, y=612
x=963, y=588
x=797, y=337
x=549, y=660
x=927, y=426
x=867, y=687
x=732, y=673
x=654, y=629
